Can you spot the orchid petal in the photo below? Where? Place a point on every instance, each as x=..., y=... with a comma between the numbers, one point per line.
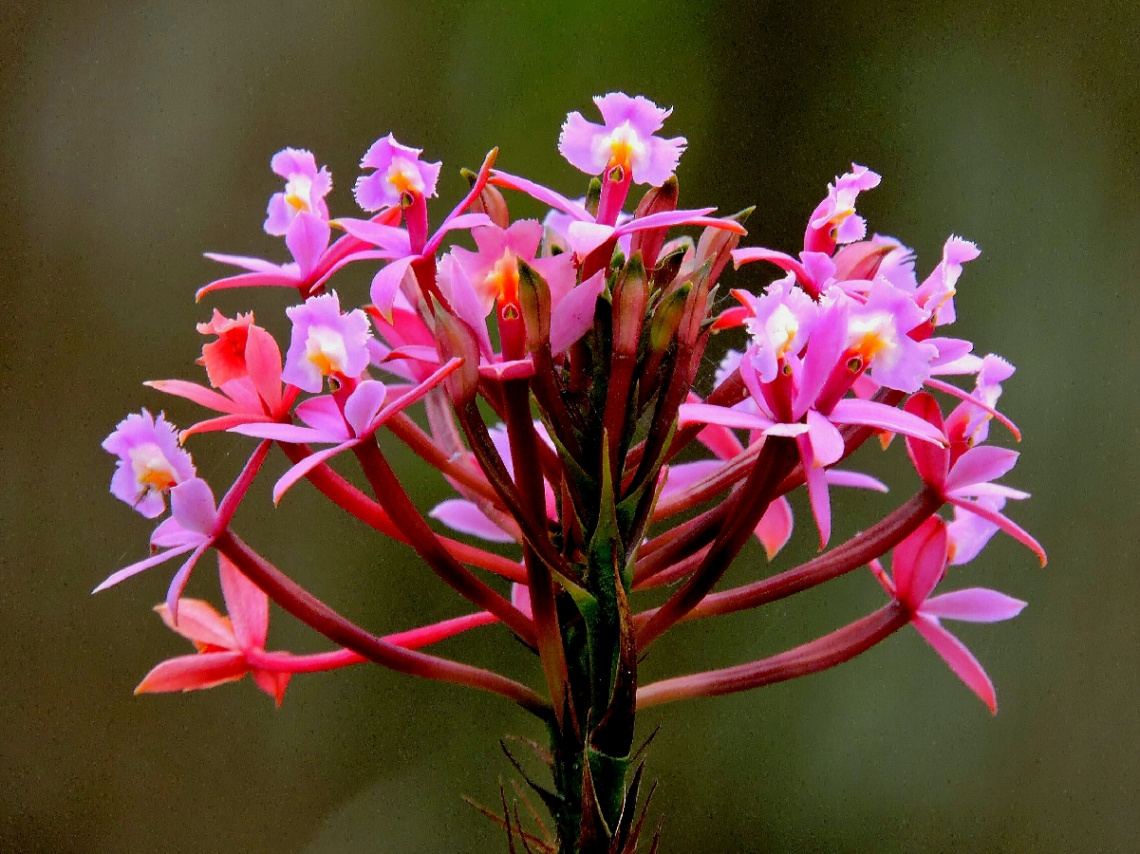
x=541, y=193
x=199, y=623
x=465, y=517
x=775, y=527
x=1003, y=522
x=199, y=394
x=979, y=465
x=304, y=467
x=854, y=479
x=246, y=604
x=386, y=284
x=974, y=605
x=191, y=672
x=574, y=315
x=142, y=565
x=851, y=410
x=961, y=660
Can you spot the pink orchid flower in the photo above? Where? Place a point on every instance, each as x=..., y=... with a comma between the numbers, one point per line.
x=225, y=644
x=963, y=477
x=626, y=140
x=399, y=173
x=244, y=364
x=302, y=217
x=305, y=190
x=919, y=563
x=325, y=343
x=151, y=462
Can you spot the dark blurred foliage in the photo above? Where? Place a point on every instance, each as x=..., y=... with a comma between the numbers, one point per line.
x=134, y=136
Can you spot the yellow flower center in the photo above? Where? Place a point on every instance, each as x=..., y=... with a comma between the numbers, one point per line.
x=325, y=349
x=625, y=146
x=151, y=468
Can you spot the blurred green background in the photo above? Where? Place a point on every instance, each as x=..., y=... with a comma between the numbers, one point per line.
x=136, y=135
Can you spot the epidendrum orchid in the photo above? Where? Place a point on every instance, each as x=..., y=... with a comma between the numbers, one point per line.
x=558, y=367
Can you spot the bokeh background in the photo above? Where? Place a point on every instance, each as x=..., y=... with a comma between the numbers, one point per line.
x=136, y=135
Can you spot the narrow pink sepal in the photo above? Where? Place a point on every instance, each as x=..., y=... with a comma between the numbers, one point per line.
x=707, y=413
x=434, y=633
x=272, y=682
x=974, y=605
x=250, y=280
x=305, y=466
x=142, y=565
x=181, y=578
x=1003, y=522
x=961, y=660
x=818, y=494
x=855, y=480
x=192, y=672
x=254, y=265
x=282, y=432
x=919, y=562
x=388, y=237
x=541, y=193
x=199, y=394
x=851, y=410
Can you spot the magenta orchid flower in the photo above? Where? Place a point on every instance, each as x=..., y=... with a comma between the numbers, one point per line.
x=225, y=645
x=918, y=565
x=626, y=140
x=963, y=478
x=325, y=343
x=151, y=462
x=244, y=364
x=399, y=173
x=192, y=527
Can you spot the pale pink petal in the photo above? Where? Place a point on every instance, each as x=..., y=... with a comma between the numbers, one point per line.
x=574, y=316
x=142, y=565
x=192, y=504
x=578, y=144
x=515, y=369
x=323, y=414
x=465, y=517
x=363, y=405
x=284, y=432
x=307, y=239
x=683, y=476
x=254, y=265
x=979, y=465
x=826, y=440
x=585, y=237
x=854, y=479
x=386, y=284
x=974, y=605
x=960, y=659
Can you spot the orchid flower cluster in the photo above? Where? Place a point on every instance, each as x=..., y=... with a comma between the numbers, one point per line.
x=550, y=372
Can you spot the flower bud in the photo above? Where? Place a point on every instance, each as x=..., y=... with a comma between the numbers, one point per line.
x=454, y=338
x=657, y=200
